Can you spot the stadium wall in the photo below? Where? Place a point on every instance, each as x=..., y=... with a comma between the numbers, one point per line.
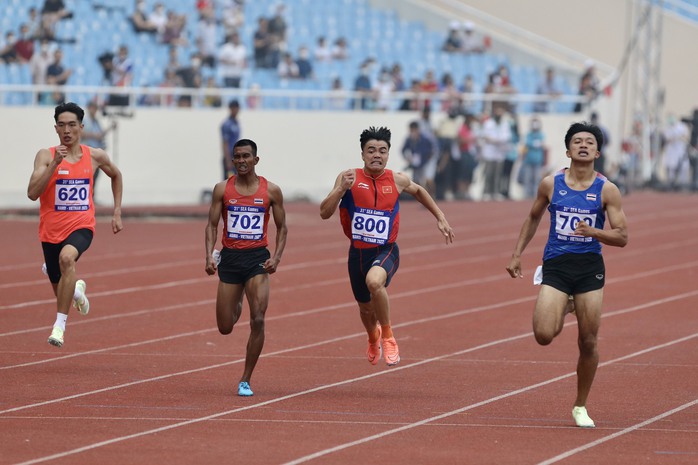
x=169, y=157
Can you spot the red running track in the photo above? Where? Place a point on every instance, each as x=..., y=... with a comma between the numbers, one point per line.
x=145, y=378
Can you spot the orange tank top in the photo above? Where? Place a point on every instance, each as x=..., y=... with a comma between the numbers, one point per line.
x=66, y=204
x=245, y=217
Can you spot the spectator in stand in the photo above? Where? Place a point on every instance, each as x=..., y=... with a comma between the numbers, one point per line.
x=548, y=87
x=121, y=76
x=305, y=66
x=363, y=85
x=384, y=89
x=158, y=17
x=57, y=74
x=398, y=78
x=412, y=102
x=173, y=32
x=24, y=47
x=36, y=28
x=467, y=144
x=165, y=99
x=428, y=131
x=139, y=19
x=429, y=85
x=469, y=104
x=233, y=15
x=451, y=99
x=232, y=61
x=173, y=63
x=533, y=159
x=262, y=44
x=676, y=137
x=287, y=68
x=277, y=25
x=322, y=52
x=588, y=86
x=338, y=97
x=446, y=178
x=454, y=39
x=8, y=54
x=340, y=50
x=191, y=78
x=471, y=42
x=206, y=33
x=40, y=62
x=512, y=154
x=417, y=151
x=212, y=100
x=52, y=12
x=495, y=139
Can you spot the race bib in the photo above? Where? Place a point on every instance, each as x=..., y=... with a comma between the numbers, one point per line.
x=370, y=226
x=72, y=195
x=245, y=222
x=566, y=222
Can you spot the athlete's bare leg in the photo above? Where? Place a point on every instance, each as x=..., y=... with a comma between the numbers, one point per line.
x=549, y=314
x=257, y=292
x=588, y=311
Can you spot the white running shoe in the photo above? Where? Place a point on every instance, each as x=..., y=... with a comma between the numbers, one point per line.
x=56, y=337
x=582, y=418
x=82, y=304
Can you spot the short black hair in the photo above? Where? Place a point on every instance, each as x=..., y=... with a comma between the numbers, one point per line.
x=583, y=126
x=69, y=107
x=245, y=143
x=374, y=133
x=234, y=103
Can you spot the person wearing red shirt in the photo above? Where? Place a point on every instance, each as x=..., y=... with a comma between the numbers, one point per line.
x=63, y=182
x=244, y=202
x=367, y=198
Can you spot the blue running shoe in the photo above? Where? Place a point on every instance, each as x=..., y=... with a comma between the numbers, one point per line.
x=244, y=389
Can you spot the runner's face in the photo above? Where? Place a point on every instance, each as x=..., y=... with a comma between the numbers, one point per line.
x=243, y=159
x=68, y=128
x=583, y=147
x=375, y=155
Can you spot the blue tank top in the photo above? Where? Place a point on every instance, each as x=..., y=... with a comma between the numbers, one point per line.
x=567, y=208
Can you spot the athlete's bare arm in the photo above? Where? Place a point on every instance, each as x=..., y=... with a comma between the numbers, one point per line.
x=214, y=216
x=44, y=166
x=100, y=160
x=405, y=184
x=343, y=182
x=276, y=200
x=617, y=235
x=530, y=225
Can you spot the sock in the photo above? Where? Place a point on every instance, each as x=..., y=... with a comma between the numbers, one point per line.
x=77, y=294
x=387, y=331
x=61, y=318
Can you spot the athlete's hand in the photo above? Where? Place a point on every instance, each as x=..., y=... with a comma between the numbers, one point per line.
x=270, y=265
x=116, y=224
x=514, y=267
x=210, y=266
x=583, y=229
x=60, y=154
x=348, y=178
x=446, y=230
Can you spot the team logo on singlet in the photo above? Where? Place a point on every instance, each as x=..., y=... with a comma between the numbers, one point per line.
x=259, y=201
x=63, y=172
x=387, y=189
x=363, y=185
x=591, y=197
x=233, y=201
x=563, y=192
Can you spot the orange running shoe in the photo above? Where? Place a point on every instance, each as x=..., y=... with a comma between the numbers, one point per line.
x=374, y=351
x=391, y=352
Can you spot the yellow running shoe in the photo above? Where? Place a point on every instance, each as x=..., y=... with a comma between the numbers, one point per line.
x=375, y=351
x=582, y=418
x=83, y=305
x=56, y=337
x=391, y=352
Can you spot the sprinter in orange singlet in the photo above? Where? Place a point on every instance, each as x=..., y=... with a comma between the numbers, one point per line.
x=244, y=202
x=63, y=181
x=370, y=216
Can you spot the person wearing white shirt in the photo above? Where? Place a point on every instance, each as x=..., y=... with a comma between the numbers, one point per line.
x=232, y=61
